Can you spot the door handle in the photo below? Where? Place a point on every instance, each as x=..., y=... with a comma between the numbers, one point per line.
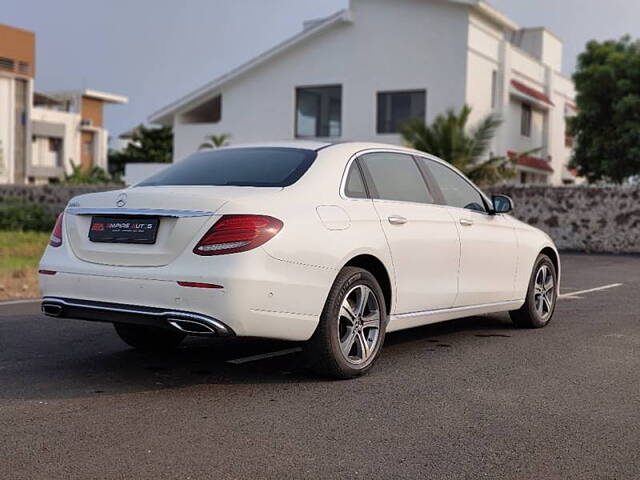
x=466, y=222
x=397, y=220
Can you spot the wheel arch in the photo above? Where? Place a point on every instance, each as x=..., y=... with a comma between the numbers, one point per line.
x=555, y=259
x=374, y=265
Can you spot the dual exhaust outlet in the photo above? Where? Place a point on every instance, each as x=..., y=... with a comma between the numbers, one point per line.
x=185, y=322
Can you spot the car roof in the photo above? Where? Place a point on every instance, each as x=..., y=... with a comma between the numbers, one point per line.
x=320, y=145
x=305, y=144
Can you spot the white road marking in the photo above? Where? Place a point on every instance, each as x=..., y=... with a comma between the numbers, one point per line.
x=596, y=289
x=18, y=302
x=253, y=358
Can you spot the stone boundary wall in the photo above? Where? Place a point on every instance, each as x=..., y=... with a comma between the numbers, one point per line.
x=585, y=218
x=52, y=197
x=590, y=219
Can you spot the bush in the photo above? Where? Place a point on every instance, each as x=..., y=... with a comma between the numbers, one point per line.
x=23, y=216
x=94, y=175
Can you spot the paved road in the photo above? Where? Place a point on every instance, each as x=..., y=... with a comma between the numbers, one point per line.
x=472, y=398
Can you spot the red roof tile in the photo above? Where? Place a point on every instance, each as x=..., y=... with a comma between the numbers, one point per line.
x=572, y=106
x=531, y=92
x=531, y=162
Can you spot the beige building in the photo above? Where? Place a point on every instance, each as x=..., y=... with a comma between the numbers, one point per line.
x=42, y=136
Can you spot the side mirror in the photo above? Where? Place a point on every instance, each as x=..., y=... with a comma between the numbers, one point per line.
x=501, y=204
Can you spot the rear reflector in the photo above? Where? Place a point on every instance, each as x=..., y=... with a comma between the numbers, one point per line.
x=237, y=233
x=47, y=272
x=56, y=235
x=199, y=285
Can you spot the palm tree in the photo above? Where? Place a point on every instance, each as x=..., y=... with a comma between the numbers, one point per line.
x=216, y=141
x=465, y=148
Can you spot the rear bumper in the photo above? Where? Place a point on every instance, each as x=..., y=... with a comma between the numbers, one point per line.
x=261, y=296
x=186, y=322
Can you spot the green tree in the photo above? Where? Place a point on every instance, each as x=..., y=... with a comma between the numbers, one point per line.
x=152, y=145
x=216, y=141
x=93, y=175
x=449, y=138
x=607, y=125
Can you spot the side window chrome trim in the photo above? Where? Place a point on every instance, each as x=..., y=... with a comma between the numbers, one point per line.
x=371, y=188
x=356, y=156
x=417, y=154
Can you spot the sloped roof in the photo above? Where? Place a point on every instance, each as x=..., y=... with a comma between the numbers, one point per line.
x=531, y=92
x=313, y=27
x=536, y=163
x=163, y=116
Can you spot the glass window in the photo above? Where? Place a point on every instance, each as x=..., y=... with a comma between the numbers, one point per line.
x=395, y=108
x=396, y=177
x=319, y=111
x=207, y=112
x=456, y=190
x=243, y=167
x=354, y=187
x=525, y=122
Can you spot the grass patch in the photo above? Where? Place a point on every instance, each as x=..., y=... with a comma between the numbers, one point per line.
x=21, y=249
x=20, y=254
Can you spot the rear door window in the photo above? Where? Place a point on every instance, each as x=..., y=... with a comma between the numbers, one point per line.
x=354, y=187
x=242, y=167
x=396, y=176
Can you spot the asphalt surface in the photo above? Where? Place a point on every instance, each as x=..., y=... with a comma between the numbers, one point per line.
x=472, y=398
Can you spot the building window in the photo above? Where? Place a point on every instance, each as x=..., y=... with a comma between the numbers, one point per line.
x=87, y=147
x=319, y=111
x=207, y=112
x=7, y=63
x=54, y=144
x=568, y=137
x=525, y=122
x=494, y=89
x=396, y=108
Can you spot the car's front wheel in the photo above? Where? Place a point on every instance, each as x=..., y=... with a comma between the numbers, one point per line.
x=148, y=338
x=352, y=326
x=541, y=296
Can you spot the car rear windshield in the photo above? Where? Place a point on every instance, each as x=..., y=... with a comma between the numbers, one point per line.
x=242, y=167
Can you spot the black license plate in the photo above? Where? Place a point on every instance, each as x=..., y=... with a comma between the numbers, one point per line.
x=124, y=230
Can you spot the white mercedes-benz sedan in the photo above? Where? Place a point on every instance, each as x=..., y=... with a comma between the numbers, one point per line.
x=329, y=244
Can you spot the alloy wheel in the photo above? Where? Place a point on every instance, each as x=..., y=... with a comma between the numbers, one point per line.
x=359, y=325
x=544, y=294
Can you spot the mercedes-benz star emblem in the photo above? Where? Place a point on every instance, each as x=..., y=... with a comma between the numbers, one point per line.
x=121, y=201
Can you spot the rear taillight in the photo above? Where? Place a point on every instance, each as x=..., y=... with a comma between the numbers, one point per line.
x=56, y=235
x=238, y=233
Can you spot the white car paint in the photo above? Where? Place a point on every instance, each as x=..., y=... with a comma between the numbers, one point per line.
x=438, y=269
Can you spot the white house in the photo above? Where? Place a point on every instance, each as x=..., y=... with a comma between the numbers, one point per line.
x=360, y=73
x=43, y=136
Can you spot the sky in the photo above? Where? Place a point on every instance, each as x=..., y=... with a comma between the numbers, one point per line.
x=155, y=51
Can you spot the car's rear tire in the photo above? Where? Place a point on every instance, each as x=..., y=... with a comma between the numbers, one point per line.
x=352, y=326
x=148, y=338
x=542, y=296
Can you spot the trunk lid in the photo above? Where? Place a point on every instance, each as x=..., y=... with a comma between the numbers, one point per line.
x=183, y=213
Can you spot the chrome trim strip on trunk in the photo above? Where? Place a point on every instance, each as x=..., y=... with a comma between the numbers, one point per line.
x=144, y=212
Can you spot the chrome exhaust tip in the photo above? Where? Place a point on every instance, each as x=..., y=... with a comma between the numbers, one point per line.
x=51, y=309
x=192, y=327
